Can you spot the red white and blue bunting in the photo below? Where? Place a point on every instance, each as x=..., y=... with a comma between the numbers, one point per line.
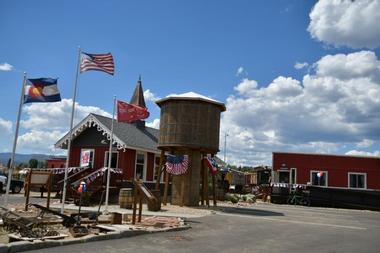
x=211, y=164
x=96, y=174
x=177, y=165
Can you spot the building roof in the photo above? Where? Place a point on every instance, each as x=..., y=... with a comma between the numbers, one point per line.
x=126, y=135
x=322, y=154
x=191, y=96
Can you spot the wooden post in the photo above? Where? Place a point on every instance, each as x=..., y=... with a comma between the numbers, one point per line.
x=28, y=191
x=134, y=204
x=203, y=182
x=167, y=175
x=140, y=205
x=182, y=190
x=49, y=182
x=206, y=188
x=213, y=190
x=159, y=170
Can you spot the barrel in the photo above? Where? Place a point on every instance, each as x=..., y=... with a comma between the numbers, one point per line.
x=126, y=198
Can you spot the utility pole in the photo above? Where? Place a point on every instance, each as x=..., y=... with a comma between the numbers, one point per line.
x=225, y=147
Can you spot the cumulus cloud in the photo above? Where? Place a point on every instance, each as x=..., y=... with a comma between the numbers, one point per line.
x=5, y=126
x=301, y=65
x=343, y=22
x=46, y=124
x=327, y=109
x=154, y=124
x=150, y=96
x=363, y=153
x=6, y=67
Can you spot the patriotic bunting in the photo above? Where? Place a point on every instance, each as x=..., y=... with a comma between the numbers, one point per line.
x=211, y=164
x=96, y=174
x=177, y=165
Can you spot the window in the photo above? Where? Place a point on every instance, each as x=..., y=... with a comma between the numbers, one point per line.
x=156, y=168
x=357, y=180
x=114, y=159
x=318, y=178
x=283, y=177
x=87, y=158
x=140, y=166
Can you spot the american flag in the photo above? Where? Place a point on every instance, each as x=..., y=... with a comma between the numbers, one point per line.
x=100, y=62
x=177, y=165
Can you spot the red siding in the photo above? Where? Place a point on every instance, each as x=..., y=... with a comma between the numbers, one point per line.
x=56, y=163
x=150, y=166
x=338, y=167
x=127, y=163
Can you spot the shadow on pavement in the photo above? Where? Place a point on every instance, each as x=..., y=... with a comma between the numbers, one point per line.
x=249, y=211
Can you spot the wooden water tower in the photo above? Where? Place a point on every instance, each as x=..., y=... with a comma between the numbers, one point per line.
x=189, y=125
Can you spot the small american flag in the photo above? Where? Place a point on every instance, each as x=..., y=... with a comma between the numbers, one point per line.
x=100, y=62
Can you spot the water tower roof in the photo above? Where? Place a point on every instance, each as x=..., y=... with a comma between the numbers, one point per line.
x=191, y=96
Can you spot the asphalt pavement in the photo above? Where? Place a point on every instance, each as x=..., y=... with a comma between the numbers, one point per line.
x=261, y=228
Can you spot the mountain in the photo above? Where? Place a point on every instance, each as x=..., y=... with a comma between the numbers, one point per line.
x=22, y=158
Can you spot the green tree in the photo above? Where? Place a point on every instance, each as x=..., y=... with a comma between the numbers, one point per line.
x=33, y=163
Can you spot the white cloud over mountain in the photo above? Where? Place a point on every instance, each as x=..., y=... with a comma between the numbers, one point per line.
x=6, y=67
x=5, y=127
x=327, y=109
x=154, y=124
x=346, y=23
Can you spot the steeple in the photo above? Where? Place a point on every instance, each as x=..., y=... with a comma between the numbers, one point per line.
x=138, y=95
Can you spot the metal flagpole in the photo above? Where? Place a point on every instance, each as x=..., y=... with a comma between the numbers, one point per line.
x=70, y=133
x=10, y=169
x=110, y=157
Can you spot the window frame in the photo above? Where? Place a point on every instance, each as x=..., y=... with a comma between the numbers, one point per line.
x=106, y=160
x=283, y=170
x=316, y=171
x=144, y=165
x=93, y=156
x=357, y=173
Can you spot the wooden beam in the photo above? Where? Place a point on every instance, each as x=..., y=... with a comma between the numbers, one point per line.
x=203, y=182
x=134, y=204
x=182, y=190
x=28, y=191
x=49, y=182
x=167, y=175
x=206, y=188
x=140, y=206
x=160, y=169
x=213, y=190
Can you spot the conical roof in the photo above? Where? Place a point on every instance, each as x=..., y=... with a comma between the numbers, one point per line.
x=138, y=95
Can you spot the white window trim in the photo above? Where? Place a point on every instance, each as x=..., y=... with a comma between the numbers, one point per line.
x=145, y=164
x=117, y=159
x=295, y=176
x=327, y=177
x=357, y=173
x=93, y=155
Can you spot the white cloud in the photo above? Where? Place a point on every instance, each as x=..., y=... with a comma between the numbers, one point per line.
x=365, y=143
x=300, y=65
x=6, y=67
x=154, y=124
x=321, y=113
x=5, y=126
x=363, y=153
x=56, y=116
x=150, y=96
x=46, y=124
x=241, y=71
x=350, y=23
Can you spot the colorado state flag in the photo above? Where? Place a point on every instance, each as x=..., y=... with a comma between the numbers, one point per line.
x=41, y=90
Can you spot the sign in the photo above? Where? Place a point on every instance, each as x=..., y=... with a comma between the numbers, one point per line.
x=85, y=158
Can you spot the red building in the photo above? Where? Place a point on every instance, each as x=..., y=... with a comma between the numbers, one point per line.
x=337, y=171
x=56, y=162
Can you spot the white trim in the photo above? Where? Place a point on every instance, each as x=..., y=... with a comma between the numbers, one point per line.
x=295, y=175
x=92, y=121
x=316, y=171
x=106, y=160
x=93, y=156
x=145, y=164
x=357, y=173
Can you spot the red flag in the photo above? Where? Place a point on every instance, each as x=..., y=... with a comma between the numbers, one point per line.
x=130, y=113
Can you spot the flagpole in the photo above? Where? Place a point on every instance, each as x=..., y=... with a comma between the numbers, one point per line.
x=70, y=133
x=110, y=157
x=10, y=169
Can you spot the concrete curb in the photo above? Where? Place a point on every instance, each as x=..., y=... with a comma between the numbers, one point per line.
x=25, y=246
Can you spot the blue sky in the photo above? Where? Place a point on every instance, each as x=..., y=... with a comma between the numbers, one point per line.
x=181, y=46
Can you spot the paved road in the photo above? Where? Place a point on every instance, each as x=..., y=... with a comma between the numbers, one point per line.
x=263, y=228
